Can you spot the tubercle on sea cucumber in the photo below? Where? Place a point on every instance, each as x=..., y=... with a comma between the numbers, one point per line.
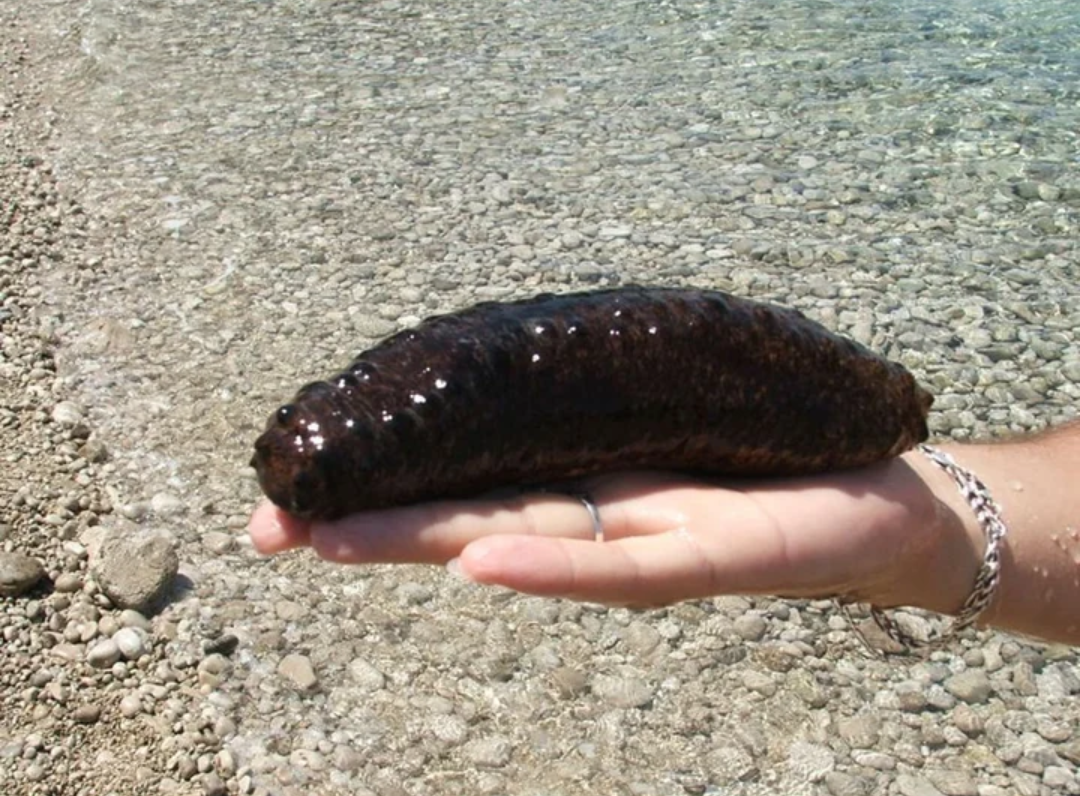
x=557, y=387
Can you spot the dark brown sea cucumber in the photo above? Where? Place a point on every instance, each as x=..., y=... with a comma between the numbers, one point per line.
x=555, y=387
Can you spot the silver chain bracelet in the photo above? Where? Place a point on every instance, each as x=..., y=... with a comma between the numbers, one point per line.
x=988, y=514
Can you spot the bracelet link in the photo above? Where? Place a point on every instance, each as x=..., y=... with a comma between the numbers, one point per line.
x=989, y=516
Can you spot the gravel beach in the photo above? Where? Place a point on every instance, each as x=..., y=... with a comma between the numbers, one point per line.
x=206, y=205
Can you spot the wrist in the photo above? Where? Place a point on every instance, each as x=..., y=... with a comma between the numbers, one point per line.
x=939, y=577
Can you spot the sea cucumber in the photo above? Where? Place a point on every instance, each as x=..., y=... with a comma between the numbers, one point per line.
x=555, y=387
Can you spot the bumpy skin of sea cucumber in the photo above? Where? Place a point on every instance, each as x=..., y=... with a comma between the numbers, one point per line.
x=556, y=387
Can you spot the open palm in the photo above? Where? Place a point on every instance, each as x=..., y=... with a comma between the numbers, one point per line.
x=875, y=534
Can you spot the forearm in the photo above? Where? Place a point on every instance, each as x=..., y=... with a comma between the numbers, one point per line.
x=1035, y=482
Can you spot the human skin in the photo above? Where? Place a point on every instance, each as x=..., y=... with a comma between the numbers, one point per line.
x=895, y=533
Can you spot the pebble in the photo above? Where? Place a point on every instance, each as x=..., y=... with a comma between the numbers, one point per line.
x=130, y=706
x=213, y=785
x=135, y=571
x=489, y=752
x=166, y=504
x=861, y=731
x=954, y=783
x=750, y=627
x=971, y=686
x=67, y=582
x=366, y=676
x=623, y=691
x=908, y=785
x=67, y=413
x=297, y=669
x=87, y=714
x=132, y=642
x=103, y=654
x=19, y=573
x=218, y=542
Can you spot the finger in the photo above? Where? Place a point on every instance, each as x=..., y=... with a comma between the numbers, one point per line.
x=645, y=570
x=434, y=533
x=670, y=558
x=274, y=531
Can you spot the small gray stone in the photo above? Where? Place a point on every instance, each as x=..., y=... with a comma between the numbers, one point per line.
x=1059, y=778
x=135, y=571
x=879, y=761
x=347, y=759
x=911, y=696
x=130, y=706
x=759, y=681
x=67, y=413
x=916, y=786
x=729, y=764
x=18, y=574
x=811, y=762
x=103, y=654
x=625, y=691
x=132, y=618
x=213, y=785
x=842, y=784
x=750, y=627
x=954, y=782
x=971, y=686
x=366, y=676
x=297, y=669
x=491, y=752
x=166, y=504
x=967, y=720
x=414, y=593
x=68, y=582
x=218, y=542
x=861, y=731
x=132, y=642
x=87, y=714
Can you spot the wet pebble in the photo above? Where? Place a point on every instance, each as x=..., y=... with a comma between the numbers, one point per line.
x=67, y=413
x=298, y=671
x=971, y=686
x=623, y=691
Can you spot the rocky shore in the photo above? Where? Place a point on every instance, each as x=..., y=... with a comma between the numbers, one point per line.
x=205, y=205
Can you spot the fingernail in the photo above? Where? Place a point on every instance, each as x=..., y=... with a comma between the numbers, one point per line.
x=453, y=566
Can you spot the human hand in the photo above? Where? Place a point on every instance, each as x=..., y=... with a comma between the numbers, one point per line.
x=877, y=534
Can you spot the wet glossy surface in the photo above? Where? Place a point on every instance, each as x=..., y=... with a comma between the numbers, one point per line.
x=556, y=387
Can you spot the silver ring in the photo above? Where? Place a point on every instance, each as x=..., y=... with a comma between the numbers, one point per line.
x=594, y=513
